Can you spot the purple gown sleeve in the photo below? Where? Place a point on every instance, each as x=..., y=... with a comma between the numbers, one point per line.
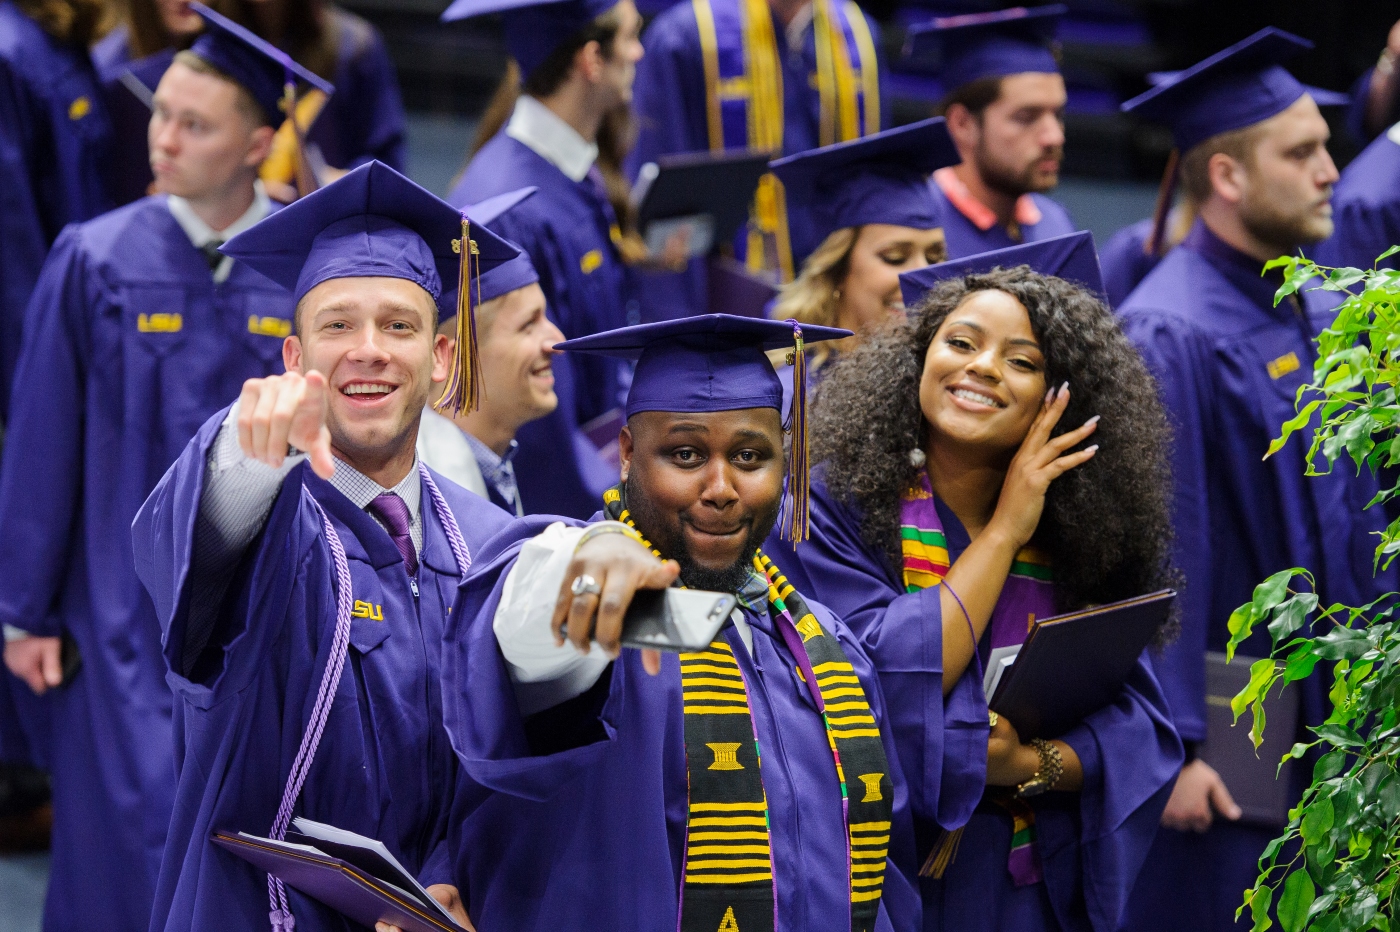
x=1174, y=354
x=1131, y=754
x=41, y=480
x=941, y=741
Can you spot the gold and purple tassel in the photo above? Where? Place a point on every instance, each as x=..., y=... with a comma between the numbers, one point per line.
x=798, y=517
x=463, y=391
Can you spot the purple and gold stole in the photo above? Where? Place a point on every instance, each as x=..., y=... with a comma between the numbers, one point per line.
x=1028, y=594
x=744, y=99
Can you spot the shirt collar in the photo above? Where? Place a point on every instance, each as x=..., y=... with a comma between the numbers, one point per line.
x=552, y=139
x=977, y=213
x=200, y=232
x=486, y=457
x=796, y=31
x=361, y=489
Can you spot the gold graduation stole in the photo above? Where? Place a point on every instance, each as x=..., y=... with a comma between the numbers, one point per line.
x=744, y=98
x=727, y=883
x=286, y=163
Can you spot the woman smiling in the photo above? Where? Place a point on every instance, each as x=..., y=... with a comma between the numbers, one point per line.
x=1028, y=479
x=870, y=204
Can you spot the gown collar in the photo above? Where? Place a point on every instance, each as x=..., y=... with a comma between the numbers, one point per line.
x=1243, y=271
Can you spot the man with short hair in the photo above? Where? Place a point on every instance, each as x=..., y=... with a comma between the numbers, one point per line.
x=746, y=785
x=577, y=59
x=1230, y=363
x=476, y=449
x=1005, y=105
x=138, y=331
x=303, y=562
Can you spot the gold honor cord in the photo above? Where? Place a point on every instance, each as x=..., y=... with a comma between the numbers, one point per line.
x=463, y=390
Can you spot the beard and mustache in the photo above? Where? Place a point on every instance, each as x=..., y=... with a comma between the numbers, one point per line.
x=670, y=541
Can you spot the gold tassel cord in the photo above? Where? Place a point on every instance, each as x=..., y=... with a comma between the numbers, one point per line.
x=942, y=855
x=1165, y=193
x=799, y=479
x=462, y=394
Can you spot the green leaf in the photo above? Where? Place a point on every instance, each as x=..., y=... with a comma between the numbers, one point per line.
x=1297, y=899
x=1317, y=822
x=1290, y=616
x=1292, y=426
x=1387, y=254
x=1261, y=674
x=1259, y=899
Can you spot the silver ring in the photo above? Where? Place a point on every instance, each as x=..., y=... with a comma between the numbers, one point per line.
x=585, y=585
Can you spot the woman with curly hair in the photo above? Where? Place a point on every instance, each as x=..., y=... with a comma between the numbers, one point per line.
x=869, y=205
x=939, y=526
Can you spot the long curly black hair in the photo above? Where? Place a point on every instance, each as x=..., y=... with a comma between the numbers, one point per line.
x=1106, y=524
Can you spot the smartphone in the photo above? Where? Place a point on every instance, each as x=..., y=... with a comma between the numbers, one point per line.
x=675, y=620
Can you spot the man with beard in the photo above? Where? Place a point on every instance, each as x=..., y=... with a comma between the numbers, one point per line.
x=1229, y=363
x=1005, y=105
x=622, y=790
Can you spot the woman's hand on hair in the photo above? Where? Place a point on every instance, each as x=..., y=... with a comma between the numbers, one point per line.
x=1040, y=461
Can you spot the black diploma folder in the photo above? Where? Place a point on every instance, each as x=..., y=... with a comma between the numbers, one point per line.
x=1249, y=776
x=360, y=885
x=719, y=186
x=1070, y=666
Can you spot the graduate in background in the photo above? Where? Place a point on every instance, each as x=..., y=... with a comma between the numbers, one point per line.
x=1366, y=207
x=1230, y=362
x=364, y=120
x=272, y=569
x=1004, y=100
x=870, y=204
x=808, y=74
x=1375, y=97
x=138, y=331
x=982, y=497
x=477, y=448
x=749, y=785
x=577, y=59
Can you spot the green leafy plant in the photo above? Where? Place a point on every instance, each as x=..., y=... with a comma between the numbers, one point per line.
x=1337, y=865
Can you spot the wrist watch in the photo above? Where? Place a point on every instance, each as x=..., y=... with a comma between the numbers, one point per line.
x=1052, y=767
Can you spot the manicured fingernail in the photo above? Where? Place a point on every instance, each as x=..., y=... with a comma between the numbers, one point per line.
x=1092, y=420
x=1064, y=388
x=1091, y=449
x=1049, y=396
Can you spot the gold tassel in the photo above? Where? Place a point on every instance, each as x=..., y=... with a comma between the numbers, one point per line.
x=942, y=855
x=462, y=393
x=799, y=479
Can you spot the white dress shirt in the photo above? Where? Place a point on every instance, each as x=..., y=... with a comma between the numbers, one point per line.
x=201, y=233
x=553, y=139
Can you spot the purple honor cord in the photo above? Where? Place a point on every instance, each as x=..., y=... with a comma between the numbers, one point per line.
x=281, y=914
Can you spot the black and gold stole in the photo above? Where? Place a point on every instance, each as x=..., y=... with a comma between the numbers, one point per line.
x=727, y=883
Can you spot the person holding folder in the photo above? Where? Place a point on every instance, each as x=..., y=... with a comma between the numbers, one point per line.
x=749, y=784
x=1231, y=358
x=302, y=561
x=869, y=203
x=1027, y=479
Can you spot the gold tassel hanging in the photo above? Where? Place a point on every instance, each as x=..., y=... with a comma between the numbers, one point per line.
x=942, y=855
x=462, y=393
x=799, y=478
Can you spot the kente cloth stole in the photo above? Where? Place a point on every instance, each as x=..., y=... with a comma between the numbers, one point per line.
x=744, y=99
x=727, y=883
x=1028, y=594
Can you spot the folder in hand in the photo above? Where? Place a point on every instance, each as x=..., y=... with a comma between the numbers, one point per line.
x=708, y=193
x=352, y=874
x=1070, y=666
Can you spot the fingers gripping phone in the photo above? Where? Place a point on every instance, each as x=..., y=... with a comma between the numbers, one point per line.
x=676, y=620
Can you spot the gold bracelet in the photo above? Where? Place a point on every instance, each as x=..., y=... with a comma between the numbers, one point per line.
x=606, y=527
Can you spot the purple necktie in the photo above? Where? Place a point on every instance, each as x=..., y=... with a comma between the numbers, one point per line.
x=392, y=510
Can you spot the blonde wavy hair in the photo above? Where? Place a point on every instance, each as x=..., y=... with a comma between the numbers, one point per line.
x=813, y=296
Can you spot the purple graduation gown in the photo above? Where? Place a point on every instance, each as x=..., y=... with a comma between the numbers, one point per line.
x=1124, y=263
x=565, y=230
x=101, y=408
x=1365, y=208
x=669, y=103
x=55, y=138
x=575, y=818
x=383, y=767
x=965, y=239
x=1091, y=843
x=1228, y=364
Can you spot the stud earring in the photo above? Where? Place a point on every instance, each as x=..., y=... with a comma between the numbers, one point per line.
x=917, y=458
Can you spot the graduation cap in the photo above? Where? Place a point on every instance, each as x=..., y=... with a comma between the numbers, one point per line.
x=1238, y=87
x=882, y=178
x=1071, y=257
x=1320, y=95
x=374, y=222
x=716, y=362
x=513, y=273
x=534, y=28
x=990, y=45
x=267, y=72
